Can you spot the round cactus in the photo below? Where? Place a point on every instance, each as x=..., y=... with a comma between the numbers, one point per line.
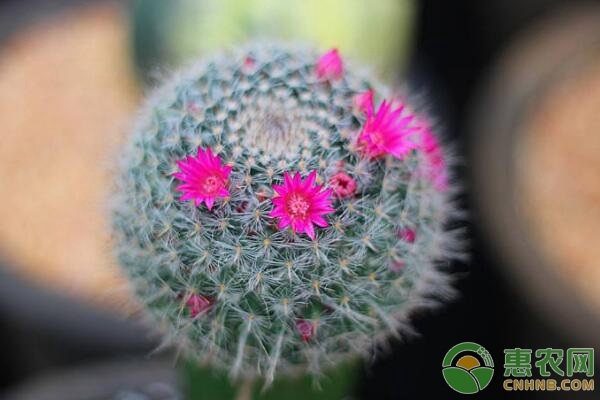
x=276, y=210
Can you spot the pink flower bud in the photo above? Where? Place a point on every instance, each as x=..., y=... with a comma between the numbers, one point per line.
x=408, y=235
x=363, y=102
x=197, y=304
x=342, y=185
x=306, y=329
x=396, y=266
x=330, y=65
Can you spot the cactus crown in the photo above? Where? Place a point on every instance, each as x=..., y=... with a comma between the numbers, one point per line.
x=242, y=280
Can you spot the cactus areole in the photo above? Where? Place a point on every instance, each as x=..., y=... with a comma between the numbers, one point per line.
x=262, y=205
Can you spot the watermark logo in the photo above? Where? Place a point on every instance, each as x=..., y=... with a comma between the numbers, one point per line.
x=468, y=368
x=558, y=370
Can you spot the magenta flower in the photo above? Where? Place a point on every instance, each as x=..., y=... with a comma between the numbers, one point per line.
x=197, y=304
x=300, y=203
x=342, y=185
x=388, y=132
x=364, y=102
x=436, y=168
x=204, y=178
x=330, y=66
x=306, y=329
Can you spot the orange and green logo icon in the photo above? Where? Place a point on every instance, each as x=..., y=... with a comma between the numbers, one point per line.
x=468, y=368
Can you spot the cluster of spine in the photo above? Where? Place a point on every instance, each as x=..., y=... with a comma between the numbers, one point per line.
x=222, y=259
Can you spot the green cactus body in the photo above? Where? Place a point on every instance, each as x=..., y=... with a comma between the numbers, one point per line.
x=227, y=285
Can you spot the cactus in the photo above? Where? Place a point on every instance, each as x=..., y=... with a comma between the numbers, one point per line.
x=272, y=218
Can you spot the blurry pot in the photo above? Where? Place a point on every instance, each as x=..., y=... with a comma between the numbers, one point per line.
x=69, y=323
x=540, y=62
x=33, y=307
x=127, y=380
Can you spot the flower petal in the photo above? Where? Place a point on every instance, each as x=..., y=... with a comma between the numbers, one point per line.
x=203, y=177
x=301, y=202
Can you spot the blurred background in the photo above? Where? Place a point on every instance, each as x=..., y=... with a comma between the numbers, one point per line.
x=514, y=84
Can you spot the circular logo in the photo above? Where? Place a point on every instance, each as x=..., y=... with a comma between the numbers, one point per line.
x=468, y=368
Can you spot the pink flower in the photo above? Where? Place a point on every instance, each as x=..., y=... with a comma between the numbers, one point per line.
x=388, y=132
x=306, y=329
x=436, y=164
x=197, y=304
x=300, y=204
x=364, y=102
x=408, y=235
x=330, y=66
x=342, y=185
x=204, y=178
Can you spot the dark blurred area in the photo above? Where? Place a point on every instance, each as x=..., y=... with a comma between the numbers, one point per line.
x=456, y=46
